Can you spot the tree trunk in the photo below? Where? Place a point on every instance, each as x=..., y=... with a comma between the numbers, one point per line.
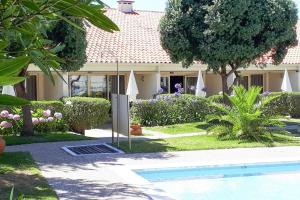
x=225, y=89
x=27, y=129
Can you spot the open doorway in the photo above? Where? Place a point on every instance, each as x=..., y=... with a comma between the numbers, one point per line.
x=174, y=80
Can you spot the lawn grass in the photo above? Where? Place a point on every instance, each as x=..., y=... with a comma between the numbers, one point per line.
x=19, y=170
x=196, y=127
x=180, y=128
x=45, y=137
x=291, y=121
x=204, y=142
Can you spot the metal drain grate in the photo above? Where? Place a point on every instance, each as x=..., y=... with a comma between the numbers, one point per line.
x=91, y=149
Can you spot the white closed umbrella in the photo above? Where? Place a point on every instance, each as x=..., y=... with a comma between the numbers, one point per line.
x=9, y=90
x=132, y=89
x=200, y=86
x=286, y=83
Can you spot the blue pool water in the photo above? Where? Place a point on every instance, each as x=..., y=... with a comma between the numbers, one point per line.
x=277, y=181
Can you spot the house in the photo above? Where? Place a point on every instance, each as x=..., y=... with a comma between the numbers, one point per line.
x=137, y=47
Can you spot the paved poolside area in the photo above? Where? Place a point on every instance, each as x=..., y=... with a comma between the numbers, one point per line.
x=110, y=176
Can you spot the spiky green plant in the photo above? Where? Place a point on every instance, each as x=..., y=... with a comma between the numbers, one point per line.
x=243, y=117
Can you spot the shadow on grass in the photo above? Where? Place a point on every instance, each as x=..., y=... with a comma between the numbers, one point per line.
x=147, y=146
x=31, y=186
x=203, y=126
x=18, y=170
x=284, y=138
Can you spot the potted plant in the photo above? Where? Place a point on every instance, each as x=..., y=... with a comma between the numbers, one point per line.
x=135, y=128
x=2, y=145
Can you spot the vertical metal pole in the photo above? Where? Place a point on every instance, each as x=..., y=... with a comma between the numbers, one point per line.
x=129, y=135
x=118, y=103
x=112, y=124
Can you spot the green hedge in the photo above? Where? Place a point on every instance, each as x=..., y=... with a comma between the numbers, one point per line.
x=54, y=106
x=170, y=110
x=285, y=104
x=83, y=113
x=295, y=105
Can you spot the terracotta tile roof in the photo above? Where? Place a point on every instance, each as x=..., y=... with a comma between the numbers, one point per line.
x=293, y=55
x=139, y=41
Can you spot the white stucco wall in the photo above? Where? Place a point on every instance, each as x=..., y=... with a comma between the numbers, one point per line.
x=53, y=92
x=147, y=85
x=213, y=83
x=275, y=81
x=294, y=78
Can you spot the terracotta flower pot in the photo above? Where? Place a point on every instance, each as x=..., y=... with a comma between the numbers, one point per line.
x=2, y=145
x=136, y=129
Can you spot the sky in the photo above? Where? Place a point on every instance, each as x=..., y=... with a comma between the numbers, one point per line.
x=154, y=5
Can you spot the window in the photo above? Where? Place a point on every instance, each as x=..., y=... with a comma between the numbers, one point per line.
x=257, y=80
x=98, y=87
x=78, y=85
x=95, y=86
x=164, y=84
x=113, y=84
x=191, y=83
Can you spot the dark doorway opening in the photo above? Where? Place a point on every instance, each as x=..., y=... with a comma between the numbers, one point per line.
x=174, y=80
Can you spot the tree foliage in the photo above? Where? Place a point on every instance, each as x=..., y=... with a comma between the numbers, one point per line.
x=73, y=42
x=228, y=34
x=23, y=33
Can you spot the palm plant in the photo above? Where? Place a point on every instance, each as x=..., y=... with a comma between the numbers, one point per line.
x=243, y=117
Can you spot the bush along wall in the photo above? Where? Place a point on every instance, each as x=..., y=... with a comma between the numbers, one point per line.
x=285, y=104
x=83, y=113
x=170, y=109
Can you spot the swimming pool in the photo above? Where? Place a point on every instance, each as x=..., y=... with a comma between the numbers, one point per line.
x=271, y=181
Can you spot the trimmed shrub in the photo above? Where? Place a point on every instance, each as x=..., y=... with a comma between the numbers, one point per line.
x=48, y=121
x=285, y=104
x=168, y=109
x=44, y=121
x=54, y=106
x=278, y=106
x=83, y=113
x=295, y=105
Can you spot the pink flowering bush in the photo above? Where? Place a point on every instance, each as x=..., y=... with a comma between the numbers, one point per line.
x=47, y=121
x=10, y=123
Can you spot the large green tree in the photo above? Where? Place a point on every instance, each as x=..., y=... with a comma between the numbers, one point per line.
x=228, y=34
x=73, y=43
x=23, y=34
